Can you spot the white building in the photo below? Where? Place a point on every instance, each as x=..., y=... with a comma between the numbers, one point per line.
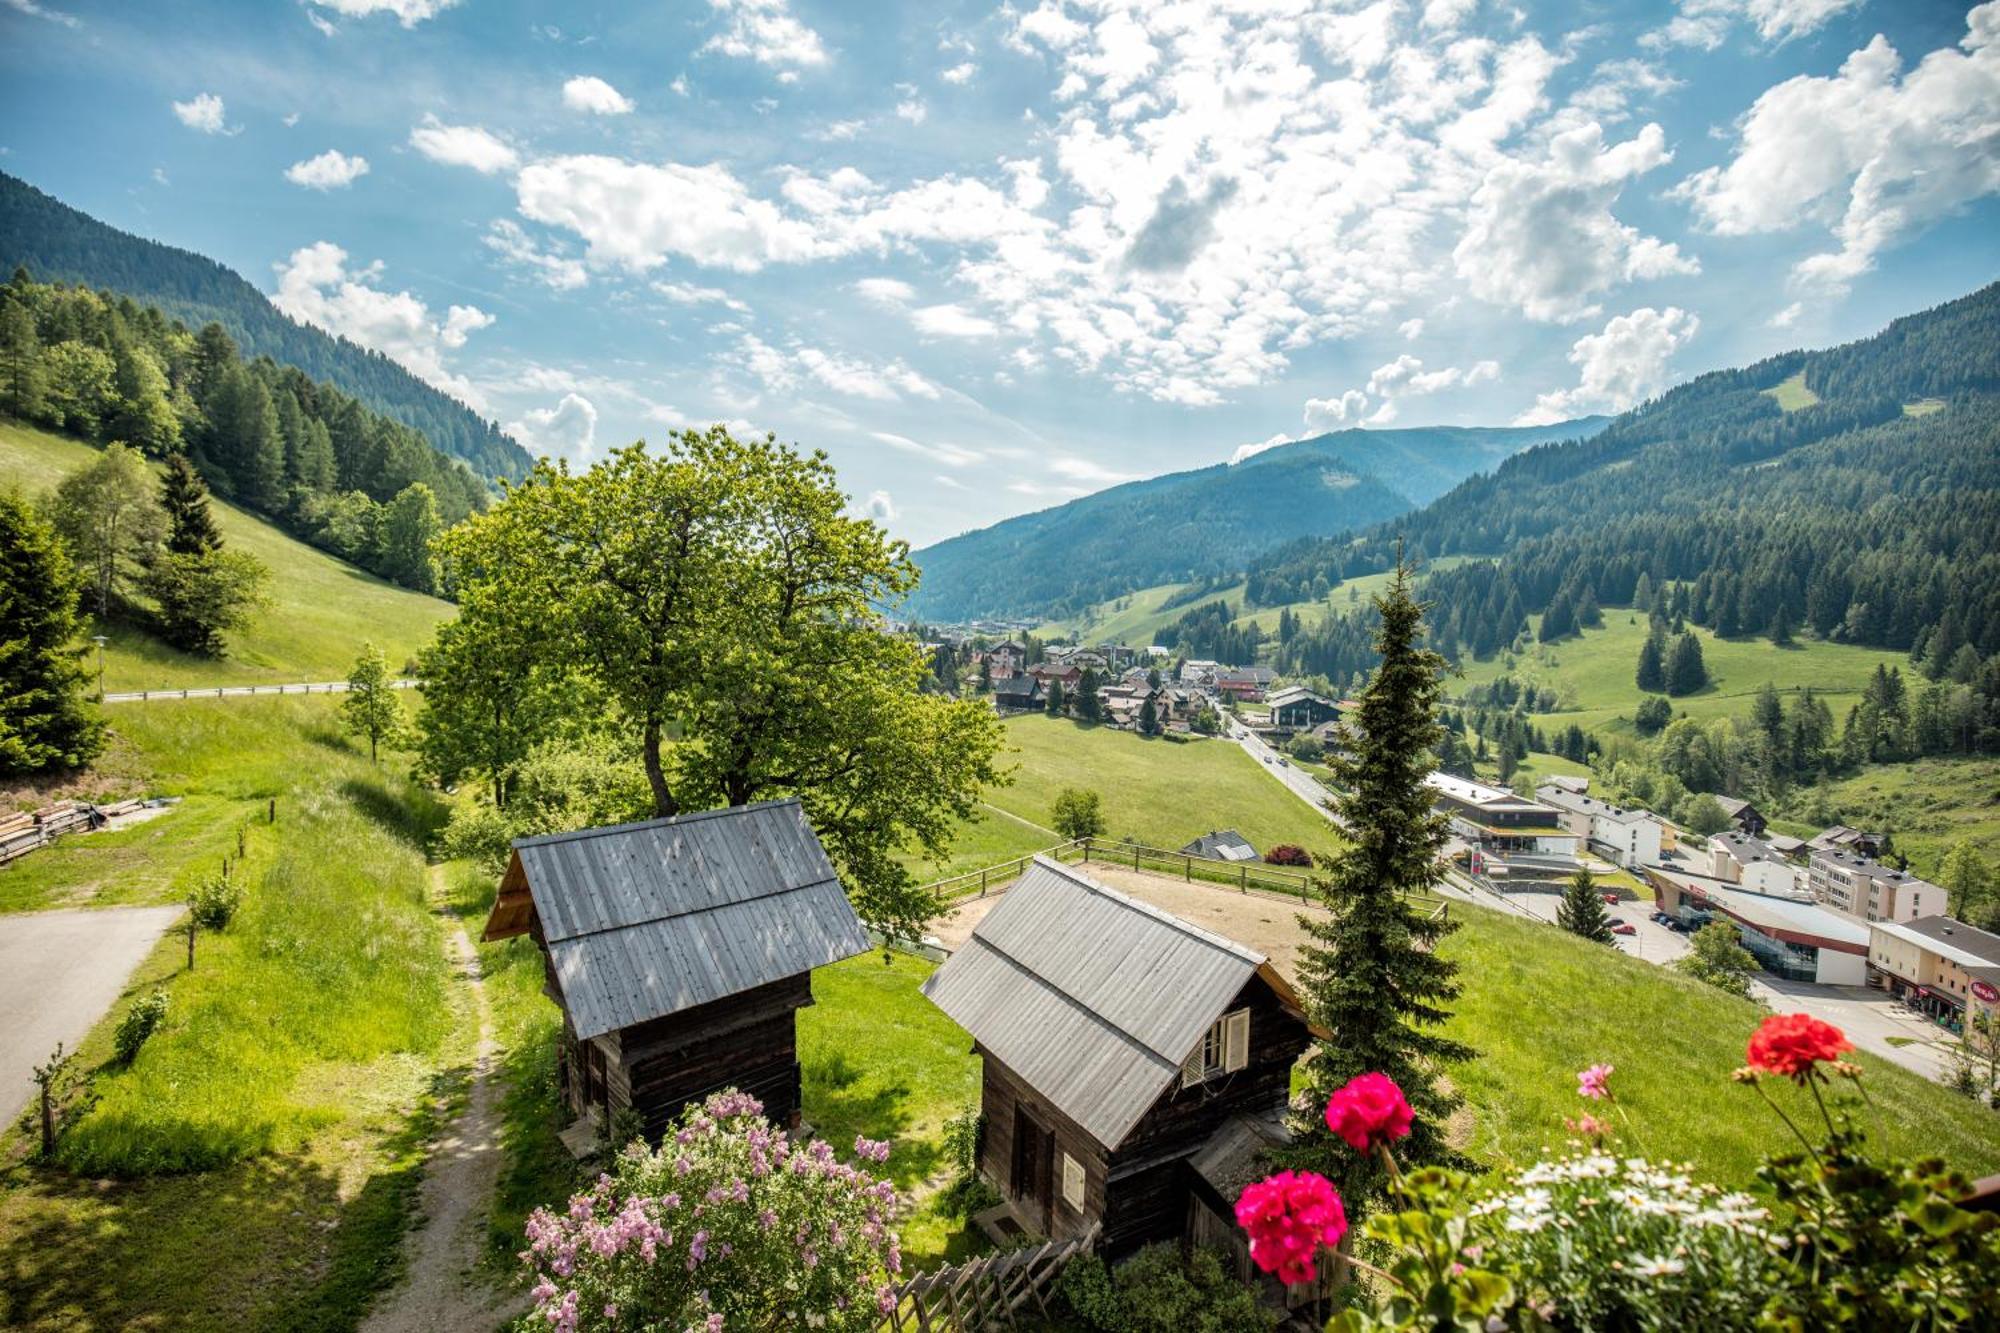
x=1757, y=866
x=1871, y=891
x=1509, y=832
x=1623, y=835
x=1788, y=937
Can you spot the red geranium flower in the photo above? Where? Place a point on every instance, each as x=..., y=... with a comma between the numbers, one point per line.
x=1289, y=1216
x=1791, y=1044
x=1371, y=1109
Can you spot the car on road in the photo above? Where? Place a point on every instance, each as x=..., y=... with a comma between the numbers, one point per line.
x=1611, y=898
x=1623, y=928
x=1284, y=762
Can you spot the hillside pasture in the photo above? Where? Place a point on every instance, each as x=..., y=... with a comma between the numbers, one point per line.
x=322, y=610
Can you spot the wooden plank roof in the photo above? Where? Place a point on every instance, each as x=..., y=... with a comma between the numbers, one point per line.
x=645, y=920
x=1092, y=998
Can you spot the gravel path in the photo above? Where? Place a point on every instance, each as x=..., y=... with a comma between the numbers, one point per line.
x=59, y=972
x=442, y=1291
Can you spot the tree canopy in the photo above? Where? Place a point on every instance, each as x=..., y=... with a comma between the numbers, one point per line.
x=44, y=722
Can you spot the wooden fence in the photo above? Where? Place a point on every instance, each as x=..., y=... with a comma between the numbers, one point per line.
x=995, y=1292
x=1240, y=875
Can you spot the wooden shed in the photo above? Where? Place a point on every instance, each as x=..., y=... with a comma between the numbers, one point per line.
x=680, y=951
x=1118, y=1042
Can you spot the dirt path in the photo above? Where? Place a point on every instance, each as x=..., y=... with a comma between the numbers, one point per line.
x=442, y=1292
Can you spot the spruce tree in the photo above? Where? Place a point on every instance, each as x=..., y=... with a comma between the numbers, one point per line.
x=1370, y=974
x=44, y=721
x=1582, y=910
x=1653, y=663
x=191, y=526
x=1686, y=672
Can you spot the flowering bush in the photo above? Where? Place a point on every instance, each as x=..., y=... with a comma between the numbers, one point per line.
x=1289, y=1216
x=1288, y=854
x=728, y=1225
x=1371, y=1109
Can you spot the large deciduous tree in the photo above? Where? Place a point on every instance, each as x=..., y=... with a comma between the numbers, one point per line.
x=1371, y=976
x=44, y=721
x=109, y=521
x=725, y=604
x=370, y=708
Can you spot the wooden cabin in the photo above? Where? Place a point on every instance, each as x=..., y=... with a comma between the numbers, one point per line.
x=1125, y=1051
x=680, y=951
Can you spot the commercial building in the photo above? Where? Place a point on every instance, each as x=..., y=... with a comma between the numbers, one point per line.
x=1508, y=834
x=1937, y=963
x=1871, y=891
x=1622, y=834
x=1790, y=938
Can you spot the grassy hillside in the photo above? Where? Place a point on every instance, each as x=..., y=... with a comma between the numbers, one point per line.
x=1594, y=673
x=1930, y=805
x=322, y=609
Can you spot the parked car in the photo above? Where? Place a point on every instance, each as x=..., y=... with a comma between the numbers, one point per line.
x=1623, y=928
x=1611, y=898
x=1677, y=927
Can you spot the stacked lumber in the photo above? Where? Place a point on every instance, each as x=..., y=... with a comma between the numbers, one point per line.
x=62, y=817
x=117, y=808
x=19, y=835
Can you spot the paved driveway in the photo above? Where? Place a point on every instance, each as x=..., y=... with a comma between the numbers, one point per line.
x=59, y=972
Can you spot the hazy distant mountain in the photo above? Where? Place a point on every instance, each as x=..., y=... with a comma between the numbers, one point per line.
x=57, y=243
x=1213, y=520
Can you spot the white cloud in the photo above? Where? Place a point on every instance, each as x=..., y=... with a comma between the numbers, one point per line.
x=1083, y=469
x=1625, y=363
x=837, y=131
x=886, y=292
x=331, y=170
x=409, y=13
x=203, y=112
x=765, y=31
x=880, y=507
x=562, y=272
x=39, y=11
x=686, y=293
x=1787, y=317
x=291, y=119
x=317, y=286
x=913, y=110
x=1244, y=451
x=783, y=370
x=960, y=73
x=1542, y=235
x=160, y=176
x=463, y=146
x=951, y=455
x=952, y=321
x=679, y=87
x=637, y=215
x=588, y=93
x=1704, y=23
x=1411, y=329
x=1870, y=153
x=321, y=23
x=567, y=430
x=1325, y=414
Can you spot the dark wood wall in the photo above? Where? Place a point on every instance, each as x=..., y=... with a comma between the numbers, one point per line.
x=1140, y=1190
x=746, y=1041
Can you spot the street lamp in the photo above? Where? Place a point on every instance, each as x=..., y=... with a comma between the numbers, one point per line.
x=100, y=641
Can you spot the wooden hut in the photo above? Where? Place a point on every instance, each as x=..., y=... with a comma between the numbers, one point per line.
x=680, y=951
x=1124, y=1049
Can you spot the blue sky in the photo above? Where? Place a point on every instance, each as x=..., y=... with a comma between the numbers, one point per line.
x=993, y=257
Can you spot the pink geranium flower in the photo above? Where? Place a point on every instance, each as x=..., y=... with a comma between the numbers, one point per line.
x=1592, y=1082
x=1288, y=1217
x=1371, y=1109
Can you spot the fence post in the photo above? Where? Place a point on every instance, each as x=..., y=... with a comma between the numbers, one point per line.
x=1187, y=868
x=1135, y=856
x=982, y=881
x=1243, y=879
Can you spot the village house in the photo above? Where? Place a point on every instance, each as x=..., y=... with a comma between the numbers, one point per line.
x=1198, y=671
x=1015, y=694
x=1123, y=1050
x=1742, y=814
x=1789, y=937
x=1244, y=684
x=1756, y=865
x=1296, y=708
x=1003, y=660
x=1870, y=890
x=1841, y=838
x=1508, y=834
x=1622, y=834
x=1066, y=674
x=1223, y=845
x=1937, y=963
x=680, y=952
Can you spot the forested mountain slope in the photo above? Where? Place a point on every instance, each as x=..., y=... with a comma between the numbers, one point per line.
x=1866, y=513
x=57, y=243
x=1213, y=520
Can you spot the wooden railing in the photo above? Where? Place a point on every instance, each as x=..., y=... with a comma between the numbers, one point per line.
x=1240, y=875
x=999, y=1291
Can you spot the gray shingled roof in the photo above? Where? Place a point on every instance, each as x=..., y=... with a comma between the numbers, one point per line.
x=645, y=920
x=1091, y=998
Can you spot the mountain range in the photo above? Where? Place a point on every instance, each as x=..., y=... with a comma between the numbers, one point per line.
x=1210, y=521
x=57, y=243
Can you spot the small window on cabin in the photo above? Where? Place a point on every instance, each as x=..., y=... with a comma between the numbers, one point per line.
x=1224, y=1049
x=1072, y=1181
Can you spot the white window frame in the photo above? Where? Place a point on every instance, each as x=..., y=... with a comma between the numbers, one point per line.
x=1074, y=1178
x=1223, y=1049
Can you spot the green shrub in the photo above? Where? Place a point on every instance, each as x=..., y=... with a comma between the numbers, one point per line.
x=137, y=1025
x=1085, y=1284
x=1157, y=1291
x=966, y=1194
x=214, y=902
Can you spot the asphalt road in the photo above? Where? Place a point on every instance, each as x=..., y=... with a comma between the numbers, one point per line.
x=59, y=972
x=1301, y=783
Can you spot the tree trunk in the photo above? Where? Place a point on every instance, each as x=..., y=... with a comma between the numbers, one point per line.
x=664, y=804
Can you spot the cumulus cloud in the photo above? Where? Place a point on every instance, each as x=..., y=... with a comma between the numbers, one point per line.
x=952, y=321
x=204, y=112
x=687, y=293
x=961, y=73
x=913, y=110
x=1617, y=368
x=331, y=170
x=765, y=31
x=317, y=286
x=1411, y=329
x=588, y=93
x=1336, y=413
x=409, y=13
x=1705, y=23
x=1871, y=153
x=1542, y=235
x=463, y=146
x=887, y=292
x=880, y=507
x=636, y=215
x=784, y=369
x=567, y=430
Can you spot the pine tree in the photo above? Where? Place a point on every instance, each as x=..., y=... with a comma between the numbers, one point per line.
x=1370, y=974
x=23, y=384
x=1086, y=695
x=1055, y=700
x=1686, y=671
x=44, y=722
x=1653, y=663
x=191, y=526
x=1582, y=910
x=1149, y=717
